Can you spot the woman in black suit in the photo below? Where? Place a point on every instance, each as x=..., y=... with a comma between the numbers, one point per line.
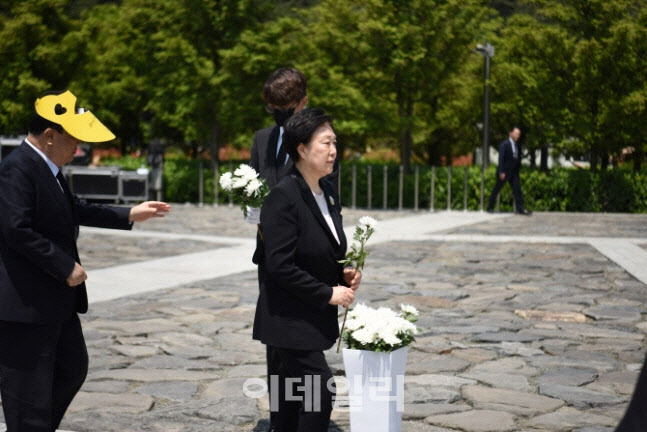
x=301, y=280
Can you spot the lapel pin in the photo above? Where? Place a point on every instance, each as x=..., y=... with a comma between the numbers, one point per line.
x=332, y=200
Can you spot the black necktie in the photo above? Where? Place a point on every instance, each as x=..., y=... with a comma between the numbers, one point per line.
x=61, y=180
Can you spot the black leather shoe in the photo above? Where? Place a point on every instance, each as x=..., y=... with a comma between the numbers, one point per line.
x=524, y=212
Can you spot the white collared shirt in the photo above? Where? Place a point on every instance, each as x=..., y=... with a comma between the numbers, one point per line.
x=514, y=148
x=52, y=166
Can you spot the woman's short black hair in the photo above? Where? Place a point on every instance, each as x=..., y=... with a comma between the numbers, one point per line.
x=300, y=127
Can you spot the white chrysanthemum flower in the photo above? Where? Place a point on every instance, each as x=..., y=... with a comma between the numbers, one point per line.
x=226, y=181
x=364, y=336
x=246, y=172
x=408, y=309
x=253, y=187
x=368, y=221
x=353, y=324
x=389, y=334
x=239, y=182
x=359, y=311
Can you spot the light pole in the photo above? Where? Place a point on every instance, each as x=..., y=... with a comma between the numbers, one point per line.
x=487, y=51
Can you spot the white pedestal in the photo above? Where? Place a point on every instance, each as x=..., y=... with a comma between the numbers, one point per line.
x=376, y=389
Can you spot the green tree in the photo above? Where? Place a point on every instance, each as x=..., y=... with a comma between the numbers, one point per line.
x=532, y=80
x=159, y=61
x=38, y=53
x=383, y=68
x=590, y=24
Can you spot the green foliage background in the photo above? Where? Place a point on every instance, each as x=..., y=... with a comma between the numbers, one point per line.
x=400, y=75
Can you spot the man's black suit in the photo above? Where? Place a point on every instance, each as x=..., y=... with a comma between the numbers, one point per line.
x=297, y=271
x=43, y=359
x=509, y=164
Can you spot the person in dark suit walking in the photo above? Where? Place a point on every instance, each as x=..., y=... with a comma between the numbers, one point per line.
x=508, y=171
x=301, y=281
x=43, y=357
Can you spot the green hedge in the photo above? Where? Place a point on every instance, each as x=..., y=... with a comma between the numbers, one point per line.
x=560, y=189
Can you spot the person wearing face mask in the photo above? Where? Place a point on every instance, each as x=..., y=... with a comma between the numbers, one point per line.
x=285, y=93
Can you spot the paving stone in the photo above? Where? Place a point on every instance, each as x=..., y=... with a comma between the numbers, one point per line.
x=184, y=339
x=434, y=364
x=505, y=337
x=150, y=375
x=462, y=329
x=578, y=396
x=170, y=390
x=504, y=381
x=414, y=394
x=409, y=426
x=476, y=421
x=172, y=362
x=614, y=312
x=474, y=355
x=517, y=348
x=594, y=429
x=190, y=352
x=135, y=351
x=438, y=380
x=515, y=402
x=126, y=402
x=508, y=365
x=567, y=418
x=622, y=383
x=423, y=410
x=106, y=387
x=141, y=327
x=247, y=371
x=568, y=376
x=235, y=410
x=551, y=315
x=228, y=387
x=584, y=360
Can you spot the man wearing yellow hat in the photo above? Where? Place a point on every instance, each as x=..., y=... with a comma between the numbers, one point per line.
x=43, y=357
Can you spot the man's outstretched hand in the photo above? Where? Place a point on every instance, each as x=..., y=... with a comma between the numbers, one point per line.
x=147, y=210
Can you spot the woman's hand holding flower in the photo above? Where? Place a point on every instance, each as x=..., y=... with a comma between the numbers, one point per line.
x=352, y=277
x=342, y=296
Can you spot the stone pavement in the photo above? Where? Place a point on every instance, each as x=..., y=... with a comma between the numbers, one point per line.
x=529, y=324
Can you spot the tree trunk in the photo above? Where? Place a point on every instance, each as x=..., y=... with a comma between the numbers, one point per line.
x=533, y=158
x=638, y=158
x=543, y=163
x=604, y=161
x=406, y=150
x=214, y=146
x=405, y=111
x=449, y=158
x=594, y=160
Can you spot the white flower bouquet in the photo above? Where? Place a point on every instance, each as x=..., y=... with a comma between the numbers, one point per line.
x=382, y=329
x=245, y=187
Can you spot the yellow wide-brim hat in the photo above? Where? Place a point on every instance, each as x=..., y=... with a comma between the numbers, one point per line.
x=82, y=125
